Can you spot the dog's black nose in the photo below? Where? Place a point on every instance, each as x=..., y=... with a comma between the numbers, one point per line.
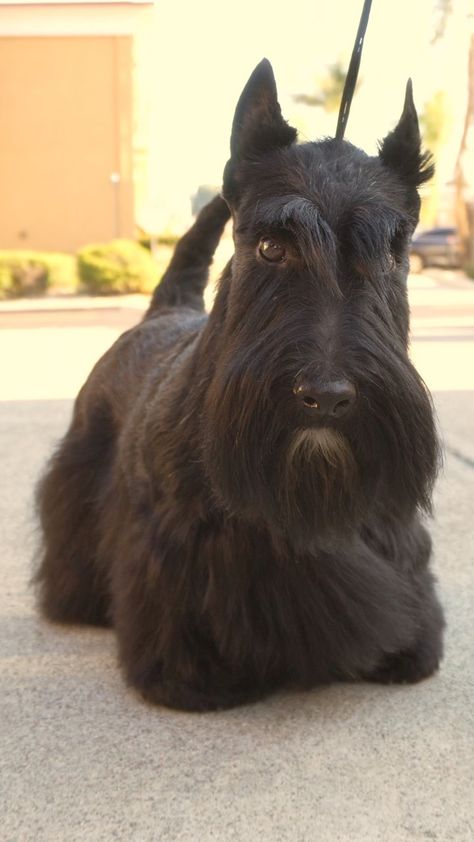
x=333, y=399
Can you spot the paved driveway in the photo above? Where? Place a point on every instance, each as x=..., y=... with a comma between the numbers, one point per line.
x=82, y=758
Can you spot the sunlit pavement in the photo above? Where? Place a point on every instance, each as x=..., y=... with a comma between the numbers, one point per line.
x=48, y=346
x=83, y=759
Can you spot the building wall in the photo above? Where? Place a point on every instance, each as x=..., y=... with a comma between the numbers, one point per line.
x=73, y=145
x=65, y=144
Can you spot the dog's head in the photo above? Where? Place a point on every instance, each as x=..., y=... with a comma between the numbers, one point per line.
x=314, y=407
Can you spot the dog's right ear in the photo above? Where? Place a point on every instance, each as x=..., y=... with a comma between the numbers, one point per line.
x=401, y=149
x=258, y=125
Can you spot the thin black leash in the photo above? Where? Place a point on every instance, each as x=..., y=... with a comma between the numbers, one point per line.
x=353, y=72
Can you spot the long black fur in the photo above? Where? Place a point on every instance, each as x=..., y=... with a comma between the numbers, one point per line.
x=236, y=543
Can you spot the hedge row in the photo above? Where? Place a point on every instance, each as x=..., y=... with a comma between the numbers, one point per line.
x=105, y=268
x=23, y=273
x=119, y=266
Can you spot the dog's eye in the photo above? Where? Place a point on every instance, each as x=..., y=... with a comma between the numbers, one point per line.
x=271, y=250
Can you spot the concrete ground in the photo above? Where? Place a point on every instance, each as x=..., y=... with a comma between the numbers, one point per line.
x=82, y=758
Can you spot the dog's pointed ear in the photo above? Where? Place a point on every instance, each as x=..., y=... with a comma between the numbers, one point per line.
x=401, y=149
x=258, y=125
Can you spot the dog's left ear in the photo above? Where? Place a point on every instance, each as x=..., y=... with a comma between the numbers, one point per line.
x=401, y=149
x=258, y=125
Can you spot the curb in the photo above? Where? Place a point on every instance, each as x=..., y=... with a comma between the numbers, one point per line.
x=75, y=303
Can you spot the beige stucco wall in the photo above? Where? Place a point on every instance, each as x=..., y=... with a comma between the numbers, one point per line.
x=73, y=109
x=65, y=112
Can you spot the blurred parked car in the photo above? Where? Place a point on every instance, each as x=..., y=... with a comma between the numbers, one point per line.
x=436, y=247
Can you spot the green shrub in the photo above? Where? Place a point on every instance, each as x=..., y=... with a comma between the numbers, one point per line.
x=470, y=270
x=22, y=273
x=63, y=275
x=168, y=239
x=25, y=273
x=115, y=267
x=145, y=240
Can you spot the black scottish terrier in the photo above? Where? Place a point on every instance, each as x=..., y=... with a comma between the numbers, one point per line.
x=239, y=494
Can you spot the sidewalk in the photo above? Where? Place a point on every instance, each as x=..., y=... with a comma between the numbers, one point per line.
x=84, y=760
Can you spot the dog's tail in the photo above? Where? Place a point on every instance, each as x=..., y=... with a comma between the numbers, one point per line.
x=185, y=279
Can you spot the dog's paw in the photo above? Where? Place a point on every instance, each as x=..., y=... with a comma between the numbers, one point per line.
x=180, y=696
x=405, y=667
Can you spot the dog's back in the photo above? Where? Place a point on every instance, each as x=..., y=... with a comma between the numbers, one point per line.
x=71, y=586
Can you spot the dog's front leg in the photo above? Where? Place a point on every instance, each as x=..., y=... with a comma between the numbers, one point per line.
x=167, y=648
x=422, y=658
x=172, y=662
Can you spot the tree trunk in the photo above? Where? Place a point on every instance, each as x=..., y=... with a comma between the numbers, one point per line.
x=463, y=180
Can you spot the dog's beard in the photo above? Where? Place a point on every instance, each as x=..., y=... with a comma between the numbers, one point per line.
x=320, y=489
x=394, y=438
x=322, y=442
x=315, y=483
x=301, y=482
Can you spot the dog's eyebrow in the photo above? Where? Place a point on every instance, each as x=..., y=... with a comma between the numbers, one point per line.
x=372, y=228
x=313, y=235
x=296, y=214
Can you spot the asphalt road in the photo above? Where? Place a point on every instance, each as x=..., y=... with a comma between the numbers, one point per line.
x=82, y=758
